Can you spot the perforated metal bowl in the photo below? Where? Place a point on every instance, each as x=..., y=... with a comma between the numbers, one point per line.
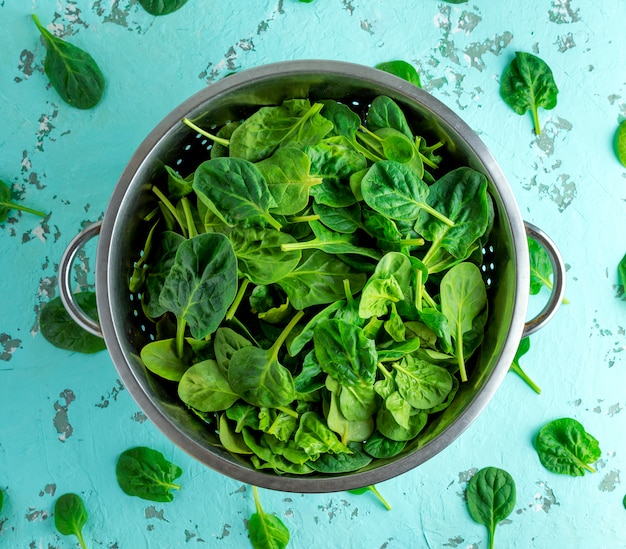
x=122, y=235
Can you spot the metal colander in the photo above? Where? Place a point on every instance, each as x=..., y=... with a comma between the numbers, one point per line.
x=122, y=235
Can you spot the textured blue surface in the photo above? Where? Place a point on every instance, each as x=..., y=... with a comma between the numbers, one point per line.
x=66, y=417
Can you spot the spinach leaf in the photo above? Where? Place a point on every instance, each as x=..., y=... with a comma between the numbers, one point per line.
x=58, y=328
x=7, y=204
x=318, y=280
x=161, y=358
x=373, y=490
x=422, y=384
x=73, y=73
x=70, y=516
x=342, y=220
x=344, y=462
x=402, y=69
x=387, y=419
x=266, y=531
x=200, y=285
x=540, y=268
x=523, y=348
x=350, y=430
x=564, y=447
x=461, y=196
x=264, y=256
x=1, y=499
x=298, y=342
x=620, y=142
x=259, y=377
x=526, y=84
x=384, y=112
x=344, y=352
x=491, y=498
x=463, y=298
x=235, y=190
x=345, y=121
x=316, y=438
x=205, y=388
x=227, y=341
x=162, y=7
x=621, y=274
x=295, y=122
x=289, y=179
x=379, y=446
x=146, y=474
x=395, y=191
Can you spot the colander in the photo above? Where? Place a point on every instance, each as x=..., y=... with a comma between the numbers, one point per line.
x=122, y=234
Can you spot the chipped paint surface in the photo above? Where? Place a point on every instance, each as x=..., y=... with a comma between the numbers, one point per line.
x=69, y=416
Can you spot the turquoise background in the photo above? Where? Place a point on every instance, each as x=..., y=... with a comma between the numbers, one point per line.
x=66, y=417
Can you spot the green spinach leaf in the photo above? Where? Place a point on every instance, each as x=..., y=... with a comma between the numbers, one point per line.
x=373, y=490
x=491, y=498
x=620, y=142
x=7, y=204
x=70, y=516
x=73, y=73
x=621, y=274
x=58, y=328
x=205, y=388
x=161, y=358
x=524, y=347
x=146, y=474
x=526, y=84
x=564, y=447
x=162, y=7
x=402, y=69
x=266, y=531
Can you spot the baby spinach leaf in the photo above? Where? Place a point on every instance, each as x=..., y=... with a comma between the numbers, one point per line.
x=266, y=531
x=146, y=474
x=379, y=446
x=526, y=84
x=344, y=352
x=461, y=196
x=345, y=121
x=70, y=516
x=227, y=341
x=621, y=274
x=264, y=256
x=402, y=69
x=295, y=122
x=384, y=112
x=298, y=342
x=7, y=204
x=318, y=280
x=358, y=403
x=564, y=447
x=523, y=348
x=201, y=284
x=463, y=297
x=73, y=73
x=344, y=462
x=422, y=384
x=349, y=430
x=235, y=190
x=316, y=438
x=395, y=191
x=289, y=180
x=204, y=387
x=620, y=143
x=378, y=295
x=162, y=7
x=387, y=420
x=342, y=220
x=58, y=328
x=259, y=377
x=373, y=490
x=161, y=358
x=540, y=268
x=491, y=498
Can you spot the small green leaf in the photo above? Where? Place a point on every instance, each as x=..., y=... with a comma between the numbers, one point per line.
x=620, y=143
x=162, y=7
x=523, y=348
x=401, y=69
x=58, y=328
x=266, y=531
x=70, y=516
x=6, y=204
x=621, y=274
x=374, y=490
x=491, y=498
x=146, y=474
x=73, y=73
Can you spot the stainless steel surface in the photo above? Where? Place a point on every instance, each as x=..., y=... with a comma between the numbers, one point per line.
x=172, y=143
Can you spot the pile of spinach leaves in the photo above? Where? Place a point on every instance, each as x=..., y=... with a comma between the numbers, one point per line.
x=314, y=283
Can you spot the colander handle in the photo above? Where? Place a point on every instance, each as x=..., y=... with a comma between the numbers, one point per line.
x=65, y=279
x=558, y=284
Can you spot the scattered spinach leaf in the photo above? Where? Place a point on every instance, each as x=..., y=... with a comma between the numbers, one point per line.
x=58, y=328
x=526, y=84
x=7, y=204
x=402, y=69
x=374, y=490
x=73, y=73
x=524, y=347
x=620, y=142
x=146, y=474
x=491, y=498
x=70, y=516
x=162, y=7
x=621, y=274
x=564, y=447
x=266, y=531
x=540, y=268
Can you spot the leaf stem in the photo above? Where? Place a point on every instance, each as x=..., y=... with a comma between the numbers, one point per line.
x=515, y=367
x=257, y=501
x=181, y=325
x=283, y=335
x=459, y=352
x=170, y=207
x=237, y=301
x=303, y=218
x=81, y=540
x=536, y=120
x=14, y=206
x=380, y=497
x=191, y=224
x=436, y=214
x=212, y=137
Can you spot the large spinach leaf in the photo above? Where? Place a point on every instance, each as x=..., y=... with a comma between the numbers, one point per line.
x=162, y=7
